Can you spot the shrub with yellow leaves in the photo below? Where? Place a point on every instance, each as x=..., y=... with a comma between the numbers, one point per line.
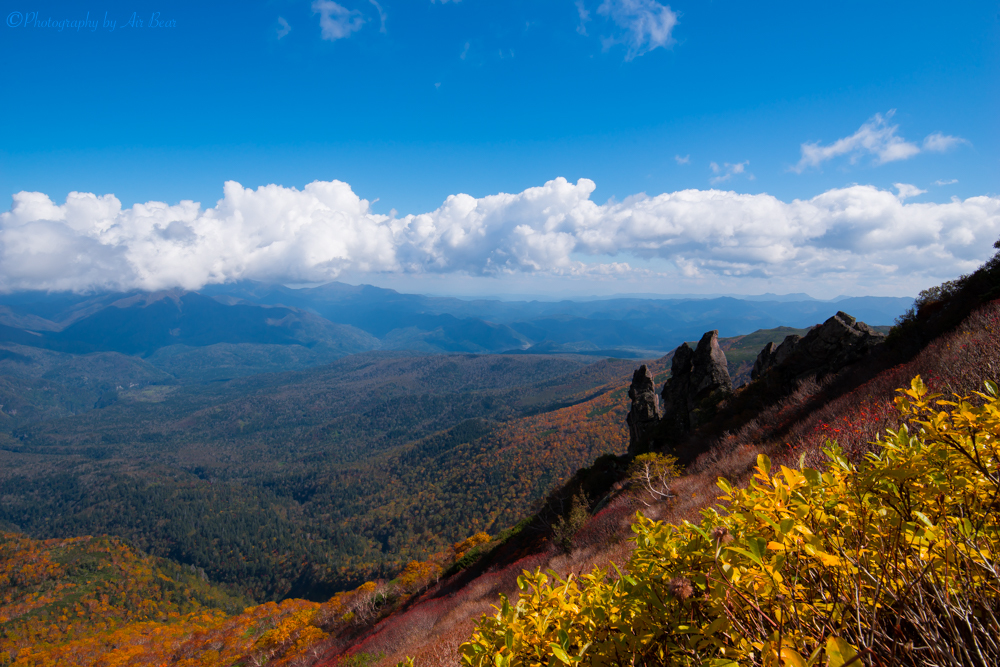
x=891, y=561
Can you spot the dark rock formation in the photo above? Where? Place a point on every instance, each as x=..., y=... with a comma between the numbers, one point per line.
x=699, y=379
x=764, y=361
x=644, y=415
x=827, y=348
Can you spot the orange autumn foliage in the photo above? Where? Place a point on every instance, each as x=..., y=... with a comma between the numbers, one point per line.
x=98, y=601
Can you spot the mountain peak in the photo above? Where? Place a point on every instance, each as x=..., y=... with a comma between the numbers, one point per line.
x=145, y=299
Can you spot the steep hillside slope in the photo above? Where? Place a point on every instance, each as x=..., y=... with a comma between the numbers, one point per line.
x=346, y=471
x=852, y=408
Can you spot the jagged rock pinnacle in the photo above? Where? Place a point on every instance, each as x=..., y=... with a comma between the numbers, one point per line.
x=699, y=379
x=827, y=348
x=644, y=415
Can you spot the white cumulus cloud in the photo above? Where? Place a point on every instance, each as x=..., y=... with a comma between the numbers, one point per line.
x=859, y=235
x=877, y=138
x=905, y=190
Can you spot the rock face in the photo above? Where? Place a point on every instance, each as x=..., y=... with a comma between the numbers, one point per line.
x=644, y=415
x=839, y=341
x=699, y=379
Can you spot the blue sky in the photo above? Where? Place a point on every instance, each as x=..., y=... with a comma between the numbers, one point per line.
x=409, y=102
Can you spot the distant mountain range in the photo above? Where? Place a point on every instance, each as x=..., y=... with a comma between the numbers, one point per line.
x=247, y=327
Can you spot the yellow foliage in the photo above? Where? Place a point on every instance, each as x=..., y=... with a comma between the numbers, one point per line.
x=417, y=574
x=803, y=567
x=278, y=633
x=469, y=543
x=96, y=601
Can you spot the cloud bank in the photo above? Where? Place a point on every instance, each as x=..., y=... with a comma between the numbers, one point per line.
x=859, y=235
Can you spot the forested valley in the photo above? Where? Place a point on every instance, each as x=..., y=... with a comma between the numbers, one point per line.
x=308, y=482
x=331, y=496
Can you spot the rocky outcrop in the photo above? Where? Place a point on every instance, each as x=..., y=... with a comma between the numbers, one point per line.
x=827, y=348
x=763, y=361
x=644, y=415
x=699, y=379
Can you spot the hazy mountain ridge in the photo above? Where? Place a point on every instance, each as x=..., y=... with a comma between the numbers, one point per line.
x=245, y=329
x=335, y=319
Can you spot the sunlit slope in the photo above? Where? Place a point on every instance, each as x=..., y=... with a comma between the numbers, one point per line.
x=61, y=590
